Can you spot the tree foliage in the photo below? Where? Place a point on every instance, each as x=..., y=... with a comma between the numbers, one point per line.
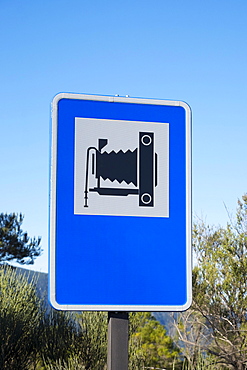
x=150, y=346
x=59, y=334
x=20, y=317
x=14, y=243
x=92, y=340
x=212, y=334
x=217, y=321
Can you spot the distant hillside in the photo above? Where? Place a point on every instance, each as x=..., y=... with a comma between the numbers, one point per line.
x=40, y=280
x=165, y=318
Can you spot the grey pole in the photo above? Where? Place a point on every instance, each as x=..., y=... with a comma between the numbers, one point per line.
x=117, y=350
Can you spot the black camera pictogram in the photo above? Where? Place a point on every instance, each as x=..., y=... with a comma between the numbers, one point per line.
x=137, y=167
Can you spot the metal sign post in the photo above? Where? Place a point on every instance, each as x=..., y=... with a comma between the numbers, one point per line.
x=117, y=349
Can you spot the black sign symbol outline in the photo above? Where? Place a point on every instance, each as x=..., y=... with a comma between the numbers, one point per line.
x=139, y=166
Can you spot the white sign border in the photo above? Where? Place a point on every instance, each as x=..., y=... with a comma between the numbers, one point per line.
x=52, y=224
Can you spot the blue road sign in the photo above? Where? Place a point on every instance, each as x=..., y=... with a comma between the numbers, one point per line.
x=120, y=206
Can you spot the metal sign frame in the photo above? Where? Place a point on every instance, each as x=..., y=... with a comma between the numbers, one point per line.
x=116, y=265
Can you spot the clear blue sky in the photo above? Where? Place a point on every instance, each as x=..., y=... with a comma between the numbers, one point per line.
x=194, y=51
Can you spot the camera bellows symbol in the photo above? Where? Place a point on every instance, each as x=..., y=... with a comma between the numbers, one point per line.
x=117, y=166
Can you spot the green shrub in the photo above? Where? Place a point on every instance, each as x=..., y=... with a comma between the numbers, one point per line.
x=20, y=317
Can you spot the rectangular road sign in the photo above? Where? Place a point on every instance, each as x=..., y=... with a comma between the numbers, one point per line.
x=120, y=206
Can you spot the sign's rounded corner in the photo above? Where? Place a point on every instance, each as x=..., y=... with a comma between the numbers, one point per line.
x=59, y=97
x=54, y=304
x=187, y=304
x=186, y=107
